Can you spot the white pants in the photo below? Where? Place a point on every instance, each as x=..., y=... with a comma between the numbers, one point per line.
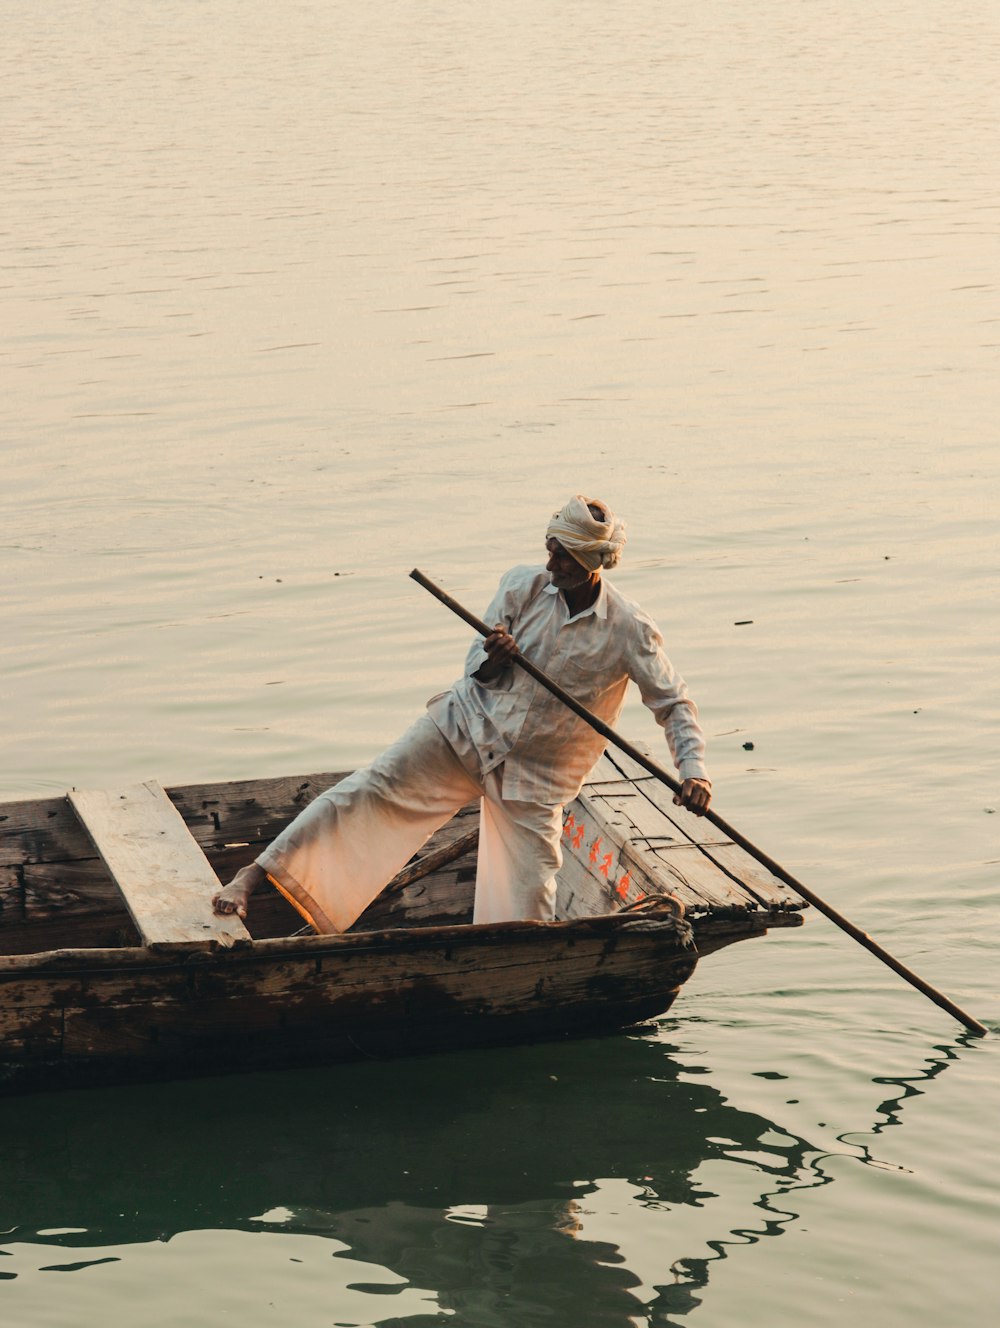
x=344, y=848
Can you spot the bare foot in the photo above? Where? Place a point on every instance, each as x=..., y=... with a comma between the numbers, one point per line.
x=233, y=897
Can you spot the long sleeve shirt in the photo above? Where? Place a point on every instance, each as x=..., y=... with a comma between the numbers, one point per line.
x=546, y=750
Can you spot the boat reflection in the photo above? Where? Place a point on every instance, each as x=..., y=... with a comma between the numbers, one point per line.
x=466, y=1175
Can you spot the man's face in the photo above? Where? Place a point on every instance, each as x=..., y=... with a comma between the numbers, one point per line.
x=563, y=569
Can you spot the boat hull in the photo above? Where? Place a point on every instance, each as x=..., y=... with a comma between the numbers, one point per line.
x=156, y=985
x=75, y=1018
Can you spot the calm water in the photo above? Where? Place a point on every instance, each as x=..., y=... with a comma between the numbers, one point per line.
x=300, y=296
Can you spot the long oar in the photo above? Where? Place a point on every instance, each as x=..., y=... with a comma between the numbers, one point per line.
x=729, y=831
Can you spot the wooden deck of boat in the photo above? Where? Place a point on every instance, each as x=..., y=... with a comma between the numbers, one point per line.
x=705, y=870
x=137, y=866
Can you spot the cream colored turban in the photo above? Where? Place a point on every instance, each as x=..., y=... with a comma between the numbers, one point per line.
x=592, y=543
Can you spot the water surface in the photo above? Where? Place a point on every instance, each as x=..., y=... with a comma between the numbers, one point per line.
x=299, y=297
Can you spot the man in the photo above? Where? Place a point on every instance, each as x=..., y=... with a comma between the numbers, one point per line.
x=499, y=736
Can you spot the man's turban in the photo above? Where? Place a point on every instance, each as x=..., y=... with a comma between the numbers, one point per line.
x=592, y=543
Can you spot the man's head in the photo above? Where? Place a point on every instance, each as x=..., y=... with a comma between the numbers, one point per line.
x=564, y=571
x=581, y=538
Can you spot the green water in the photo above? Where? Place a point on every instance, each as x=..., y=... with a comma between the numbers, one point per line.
x=605, y=1182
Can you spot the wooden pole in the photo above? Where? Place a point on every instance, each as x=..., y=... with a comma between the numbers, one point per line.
x=731, y=832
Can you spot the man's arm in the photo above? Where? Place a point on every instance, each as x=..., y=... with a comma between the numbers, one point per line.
x=665, y=693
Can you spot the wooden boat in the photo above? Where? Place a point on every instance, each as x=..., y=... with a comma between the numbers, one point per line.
x=113, y=965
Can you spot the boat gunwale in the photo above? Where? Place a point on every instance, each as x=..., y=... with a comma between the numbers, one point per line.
x=400, y=939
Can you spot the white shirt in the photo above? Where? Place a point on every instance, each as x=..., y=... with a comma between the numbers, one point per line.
x=545, y=749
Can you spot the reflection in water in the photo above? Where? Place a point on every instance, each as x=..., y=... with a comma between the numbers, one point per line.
x=808, y=1172
x=468, y=1175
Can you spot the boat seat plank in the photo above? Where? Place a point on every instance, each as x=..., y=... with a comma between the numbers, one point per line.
x=699, y=881
x=648, y=802
x=164, y=877
x=772, y=892
x=733, y=873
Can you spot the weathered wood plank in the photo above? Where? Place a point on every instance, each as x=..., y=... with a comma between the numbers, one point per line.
x=164, y=877
x=41, y=830
x=37, y=889
x=250, y=811
x=60, y=932
x=697, y=879
x=753, y=885
x=756, y=879
x=641, y=788
x=641, y=848
x=247, y=810
x=439, y=900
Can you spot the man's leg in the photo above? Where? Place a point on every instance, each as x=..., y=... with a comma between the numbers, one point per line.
x=519, y=854
x=341, y=850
